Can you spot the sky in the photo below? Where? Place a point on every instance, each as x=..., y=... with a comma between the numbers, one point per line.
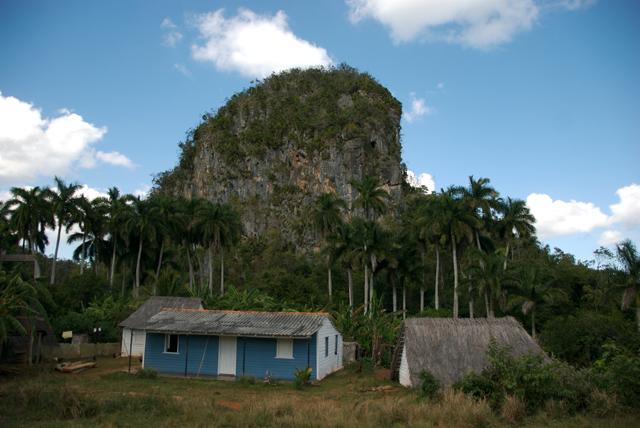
x=540, y=96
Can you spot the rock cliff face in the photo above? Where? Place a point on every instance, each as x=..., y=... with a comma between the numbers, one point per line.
x=272, y=149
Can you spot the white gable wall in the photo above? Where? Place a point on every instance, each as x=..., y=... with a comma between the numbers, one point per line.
x=403, y=376
x=137, y=346
x=332, y=362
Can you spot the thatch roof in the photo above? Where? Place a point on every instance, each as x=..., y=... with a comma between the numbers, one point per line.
x=451, y=348
x=237, y=323
x=153, y=305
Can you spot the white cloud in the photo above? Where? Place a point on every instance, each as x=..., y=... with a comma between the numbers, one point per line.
x=254, y=45
x=114, y=158
x=31, y=145
x=142, y=192
x=5, y=195
x=418, y=109
x=90, y=193
x=440, y=85
x=422, y=180
x=627, y=211
x=172, y=36
x=474, y=23
x=182, y=69
x=610, y=237
x=557, y=218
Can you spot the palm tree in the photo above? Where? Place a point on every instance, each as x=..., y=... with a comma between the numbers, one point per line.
x=229, y=236
x=459, y=222
x=372, y=198
x=516, y=220
x=345, y=248
x=82, y=215
x=64, y=204
x=141, y=225
x=327, y=216
x=489, y=277
x=119, y=212
x=94, y=228
x=30, y=216
x=210, y=222
x=18, y=298
x=629, y=258
x=165, y=224
x=533, y=288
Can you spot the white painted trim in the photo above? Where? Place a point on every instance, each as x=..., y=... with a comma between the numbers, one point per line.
x=166, y=339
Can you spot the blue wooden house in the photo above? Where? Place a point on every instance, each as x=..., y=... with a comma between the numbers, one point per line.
x=241, y=343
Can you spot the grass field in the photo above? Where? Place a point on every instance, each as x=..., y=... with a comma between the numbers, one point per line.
x=108, y=396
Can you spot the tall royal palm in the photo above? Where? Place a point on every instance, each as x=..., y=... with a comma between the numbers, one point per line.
x=166, y=222
x=516, y=221
x=459, y=222
x=141, y=226
x=64, y=204
x=345, y=248
x=210, y=222
x=327, y=216
x=119, y=211
x=229, y=236
x=629, y=258
x=30, y=215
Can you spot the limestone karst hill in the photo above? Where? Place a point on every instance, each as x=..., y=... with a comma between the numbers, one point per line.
x=273, y=148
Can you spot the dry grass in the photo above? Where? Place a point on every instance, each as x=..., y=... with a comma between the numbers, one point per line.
x=346, y=399
x=513, y=409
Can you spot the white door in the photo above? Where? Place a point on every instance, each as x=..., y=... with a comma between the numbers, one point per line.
x=227, y=355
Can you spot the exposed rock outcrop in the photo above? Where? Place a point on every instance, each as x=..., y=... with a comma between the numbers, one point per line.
x=272, y=149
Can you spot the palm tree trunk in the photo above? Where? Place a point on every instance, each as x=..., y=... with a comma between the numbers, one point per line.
x=423, y=282
x=486, y=304
x=136, y=289
x=113, y=264
x=329, y=283
x=470, y=304
x=124, y=274
x=83, y=254
x=371, y=290
x=421, y=299
x=350, y=280
x=404, y=300
x=436, y=296
x=190, y=268
x=506, y=256
x=455, y=277
x=221, y=271
x=366, y=287
x=55, y=255
x=159, y=260
x=395, y=298
x=638, y=316
x=210, y=264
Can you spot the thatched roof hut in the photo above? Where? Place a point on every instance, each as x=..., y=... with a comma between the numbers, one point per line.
x=451, y=348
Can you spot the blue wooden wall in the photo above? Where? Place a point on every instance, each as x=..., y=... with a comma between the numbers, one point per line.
x=254, y=356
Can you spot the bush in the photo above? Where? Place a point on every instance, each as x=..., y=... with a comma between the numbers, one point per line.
x=618, y=373
x=429, y=386
x=579, y=339
x=302, y=377
x=529, y=378
x=147, y=374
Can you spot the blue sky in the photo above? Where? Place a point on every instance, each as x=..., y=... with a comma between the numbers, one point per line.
x=540, y=96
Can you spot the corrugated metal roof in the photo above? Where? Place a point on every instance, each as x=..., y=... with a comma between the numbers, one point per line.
x=153, y=305
x=237, y=323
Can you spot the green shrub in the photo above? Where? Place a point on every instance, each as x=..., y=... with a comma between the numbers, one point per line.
x=302, y=377
x=618, y=373
x=429, y=386
x=531, y=379
x=147, y=374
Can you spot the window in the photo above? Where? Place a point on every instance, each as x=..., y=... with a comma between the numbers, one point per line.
x=284, y=348
x=336, y=351
x=171, y=343
x=326, y=346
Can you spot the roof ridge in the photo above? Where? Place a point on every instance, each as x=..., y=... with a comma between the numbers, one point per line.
x=231, y=311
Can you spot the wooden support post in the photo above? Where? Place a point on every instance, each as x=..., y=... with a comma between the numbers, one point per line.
x=130, y=345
